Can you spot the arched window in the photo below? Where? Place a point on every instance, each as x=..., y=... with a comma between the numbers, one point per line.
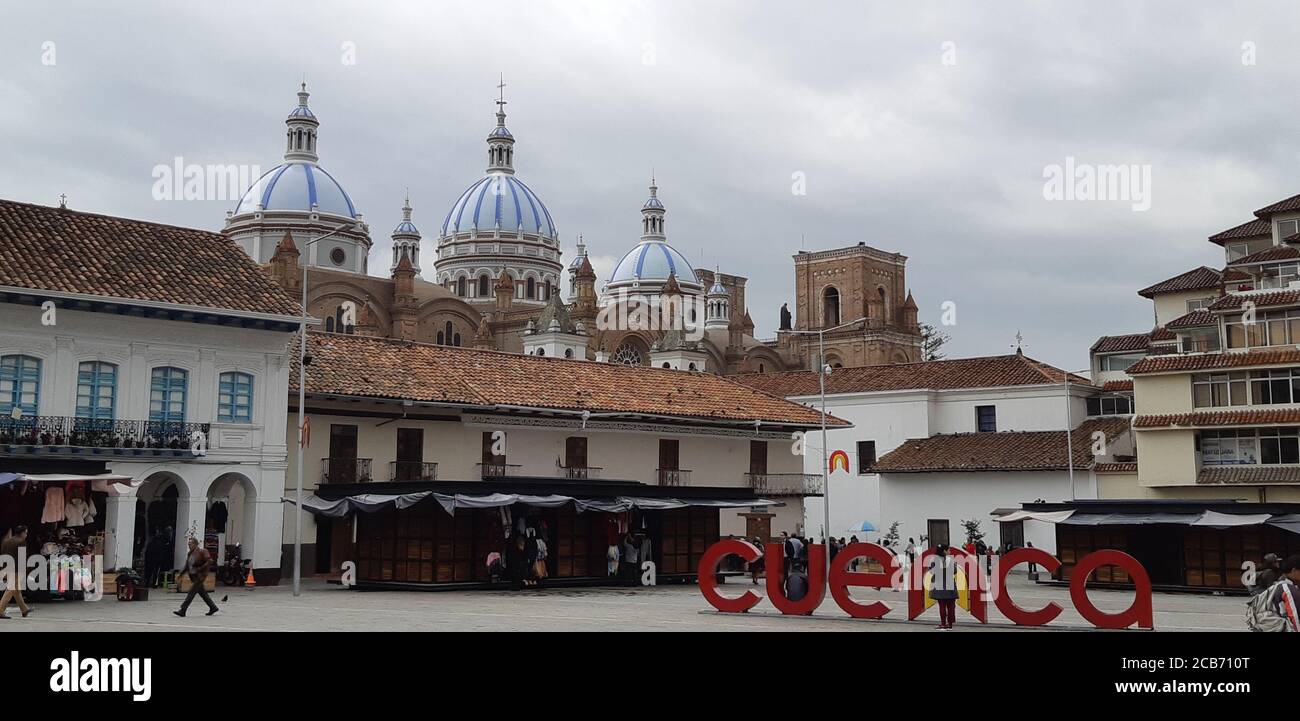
x=692, y=367
x=96, y=390
x=461, y=289
x=167, y=390
x=546, y=290
x=568, y=352
x=449, y=332
x=532, y=287
x=884, y=303
x=666, y=365
x=541, y=351
x=329, y=324
x=20, y=384
x=761, y=369
x=441, y=338
x=830, y=307
x=484, y=286
x=628, y=355
x=235, y=398
x=456, y=340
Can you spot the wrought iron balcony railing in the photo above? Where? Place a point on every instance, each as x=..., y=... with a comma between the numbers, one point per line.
x=581, y=472
x=101, y=433
x=498, y=470
x=785, y=484
x=412, y=471
x=345, y=470
x=673, y=477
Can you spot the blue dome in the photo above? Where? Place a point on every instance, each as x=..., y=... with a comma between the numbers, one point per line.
x=301, y=111
x=499, y=199
x=653, y=260
x=297, y=186
x=653, y=202
x=500, y=132
x=406, y=227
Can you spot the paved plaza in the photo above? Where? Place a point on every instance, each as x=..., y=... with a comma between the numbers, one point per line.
x=665, y=608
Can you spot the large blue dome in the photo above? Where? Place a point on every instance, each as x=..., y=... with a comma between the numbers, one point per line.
x=297, y=186
x=653, y=260
x=499, y=199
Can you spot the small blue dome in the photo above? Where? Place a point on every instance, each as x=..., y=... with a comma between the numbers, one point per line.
x=499, y=199
x=653, y=260
x=301, y=111
x=406, y=227
x=500, y=132
x=653, y=202
x=297, y=186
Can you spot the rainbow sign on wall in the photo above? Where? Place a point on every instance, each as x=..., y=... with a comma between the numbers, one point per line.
x=841, y=459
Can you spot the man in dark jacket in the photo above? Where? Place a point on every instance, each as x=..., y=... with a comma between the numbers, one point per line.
x=196, y=567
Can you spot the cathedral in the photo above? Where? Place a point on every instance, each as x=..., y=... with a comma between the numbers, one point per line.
x=498, y=280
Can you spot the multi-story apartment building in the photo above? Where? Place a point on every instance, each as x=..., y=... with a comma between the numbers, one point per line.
x=425, y=460
x=1216, y=389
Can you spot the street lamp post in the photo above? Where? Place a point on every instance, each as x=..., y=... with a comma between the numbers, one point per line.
x=822, y=371
x=1069, y=431
x=302, y=400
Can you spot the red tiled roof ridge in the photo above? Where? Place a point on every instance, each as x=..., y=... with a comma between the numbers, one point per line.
x=106, y=216
x=1260, y=228
x=1035, y=364
x=1198, y=278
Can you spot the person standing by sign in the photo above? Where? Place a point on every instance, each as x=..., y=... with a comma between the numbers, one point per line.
x=196, y=567
x=943, y=585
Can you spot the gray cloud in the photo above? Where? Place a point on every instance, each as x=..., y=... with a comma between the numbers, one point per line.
x=941, y=163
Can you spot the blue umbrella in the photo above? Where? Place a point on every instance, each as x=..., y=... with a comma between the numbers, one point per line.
x=863, y=527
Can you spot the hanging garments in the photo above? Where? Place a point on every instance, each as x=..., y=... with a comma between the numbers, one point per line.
x=54, y=505
x=79, y=513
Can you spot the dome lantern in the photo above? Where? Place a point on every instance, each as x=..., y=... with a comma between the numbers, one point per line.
x=302, y=126
x=406, y=239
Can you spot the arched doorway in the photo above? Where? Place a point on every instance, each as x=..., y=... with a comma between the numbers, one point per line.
x=830, y=307
x=159, y=540
x=231, y=514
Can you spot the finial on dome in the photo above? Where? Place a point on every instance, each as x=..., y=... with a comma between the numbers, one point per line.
x=406, y=207
x=501, y=101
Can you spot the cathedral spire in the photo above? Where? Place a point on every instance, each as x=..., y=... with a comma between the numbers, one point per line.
x=406, y=239
x=652, y=215
x=300, y=143
x=501, y=150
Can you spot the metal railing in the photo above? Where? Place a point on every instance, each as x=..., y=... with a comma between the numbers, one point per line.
x=68, y=431
x=412, y=471
x=345, y=470
x=672, y=477
x=581, y=472
x=785, y=484
x=498, y=470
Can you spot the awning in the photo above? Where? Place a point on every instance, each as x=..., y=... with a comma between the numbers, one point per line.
x=1289, y=522
x=372, y=502
x=1131, y=519
x=101, y=482
x=1226, y=520
x=1045, y=516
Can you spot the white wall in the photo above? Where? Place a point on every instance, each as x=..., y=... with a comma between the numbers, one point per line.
x=889, y=418
x=914, y=498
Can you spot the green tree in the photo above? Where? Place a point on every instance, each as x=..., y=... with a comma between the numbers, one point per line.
x=973, y=532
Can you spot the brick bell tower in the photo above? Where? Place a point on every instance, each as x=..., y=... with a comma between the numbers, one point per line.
x=833, y=287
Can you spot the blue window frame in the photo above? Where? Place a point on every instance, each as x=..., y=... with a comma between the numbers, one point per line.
x=986, y=419
x=96, y=390
x=20, y=384
x=167, y=391
x=235, y=398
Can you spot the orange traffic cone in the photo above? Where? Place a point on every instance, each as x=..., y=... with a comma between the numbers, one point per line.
x=249, y=582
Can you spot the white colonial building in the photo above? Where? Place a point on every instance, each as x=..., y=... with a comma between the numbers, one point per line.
x=939, y=442
x=148, y=351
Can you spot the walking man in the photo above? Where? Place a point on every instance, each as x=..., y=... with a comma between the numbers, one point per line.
x=196, y=567
x=13, y=580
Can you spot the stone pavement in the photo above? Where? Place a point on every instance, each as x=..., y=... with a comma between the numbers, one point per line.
x=664, y=608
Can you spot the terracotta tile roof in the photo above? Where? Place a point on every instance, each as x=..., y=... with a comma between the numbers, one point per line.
x=66, y=251
x=1116, y=386
x=1162, y=334
x=1003, y=451
x=1250, y=229
x=1281, y=206
x=1202, y=278
x=1277, y=252
x=1231, y=274
x=1120, y=343
x=986, y=372
x=1205, y=361
x=1130, y=467
x=1195, y=319
x=1248, y=474
x=359, y=366
x=1255, y=417
x=1233, y=301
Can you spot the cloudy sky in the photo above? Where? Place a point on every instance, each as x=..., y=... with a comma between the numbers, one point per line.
x=921, y=128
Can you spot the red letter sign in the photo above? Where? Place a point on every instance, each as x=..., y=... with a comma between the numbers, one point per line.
x=709, y=581
x=842, y=578
x=774, y=562
x=1018, y=615
x=1139, y=613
